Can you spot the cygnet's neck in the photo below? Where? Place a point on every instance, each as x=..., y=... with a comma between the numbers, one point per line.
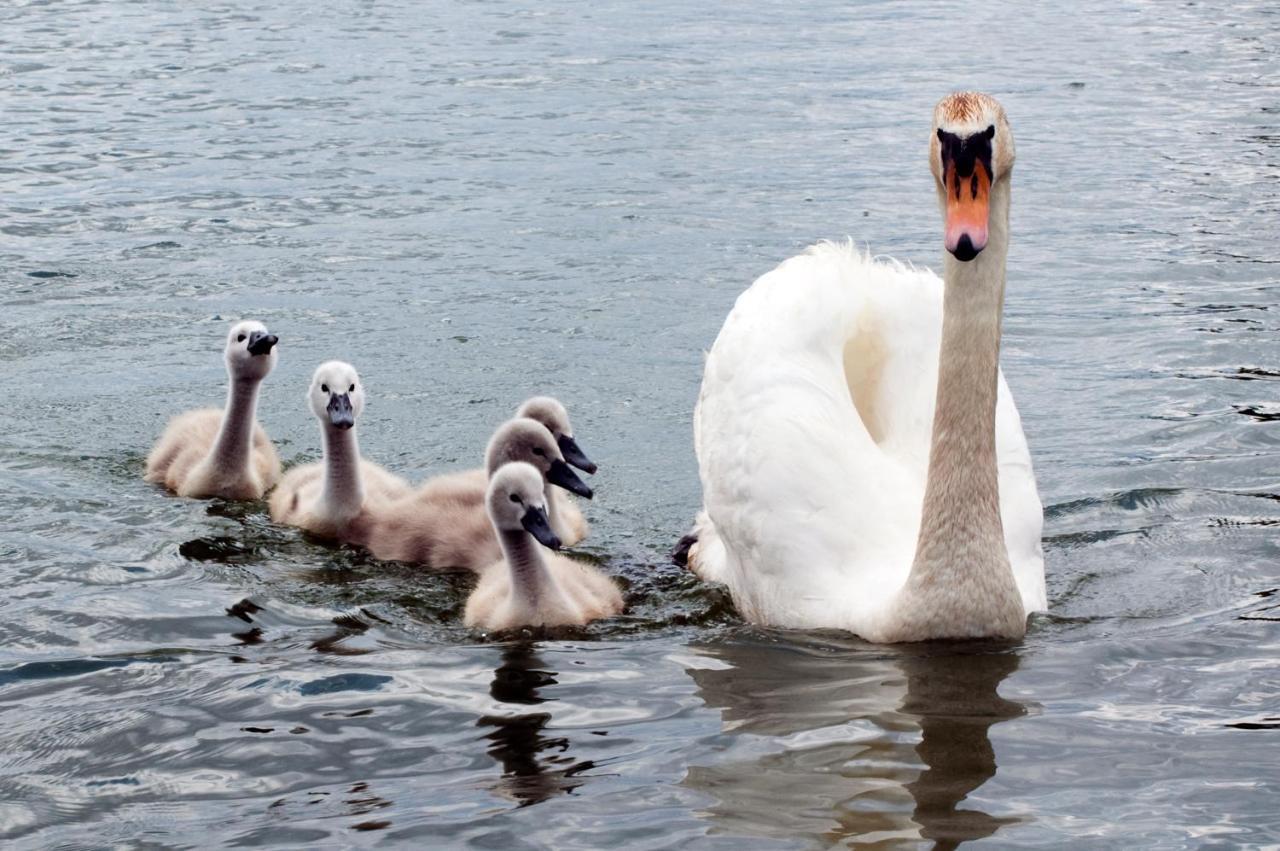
x=553, y=510
x=343, y=493
x=232, y=447
x=525, y=561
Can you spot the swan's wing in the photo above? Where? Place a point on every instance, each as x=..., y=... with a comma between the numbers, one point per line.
x=817, y=520
x=1020, y=510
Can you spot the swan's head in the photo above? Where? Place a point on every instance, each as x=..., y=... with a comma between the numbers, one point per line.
x=516, y=501
x=552, y=414
x=336, y=394
x=970, y=152
x=527, y=440
x=251, y=351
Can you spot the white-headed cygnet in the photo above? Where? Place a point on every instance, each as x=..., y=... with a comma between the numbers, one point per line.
x=530, y=585
x=337, y=497
x=567, y=520
x=211, y=452
x=444, y=524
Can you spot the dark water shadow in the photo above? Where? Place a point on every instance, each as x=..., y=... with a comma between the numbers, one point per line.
x=535, y=766
x=850, y=744
x=954, y=695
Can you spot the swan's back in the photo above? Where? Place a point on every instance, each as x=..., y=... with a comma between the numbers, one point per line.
x=813, y=431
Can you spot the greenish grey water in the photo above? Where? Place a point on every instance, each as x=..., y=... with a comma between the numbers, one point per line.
x=475, y=202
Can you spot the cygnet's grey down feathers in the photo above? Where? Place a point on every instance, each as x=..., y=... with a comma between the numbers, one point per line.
x=223, y=453
x=531, y=585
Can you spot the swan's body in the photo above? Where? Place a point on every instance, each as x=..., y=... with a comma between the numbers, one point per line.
x=226, y=453
x=531, y=585
x=825, y=438
x=445, y=524
x=339, y=497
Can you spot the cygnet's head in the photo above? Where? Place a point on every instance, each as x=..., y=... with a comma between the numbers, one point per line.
x=970, y=153
x=529, y=441
x=516, y=501
x=336, y=394
x=251, y=351
x=552, y=414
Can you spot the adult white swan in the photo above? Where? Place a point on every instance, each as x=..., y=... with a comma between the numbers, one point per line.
x=863, y=465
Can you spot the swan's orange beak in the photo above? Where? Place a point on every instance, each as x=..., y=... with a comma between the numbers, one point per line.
x=967, y=206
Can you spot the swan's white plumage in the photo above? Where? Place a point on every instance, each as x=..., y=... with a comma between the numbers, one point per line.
x=812, y=500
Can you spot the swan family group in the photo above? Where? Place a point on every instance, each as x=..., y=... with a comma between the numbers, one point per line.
x=863, y=464
x=503, y=522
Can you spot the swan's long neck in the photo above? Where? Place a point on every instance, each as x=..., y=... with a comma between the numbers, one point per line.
x=961, y=582
x=529, y=580
x=234, y=442
x=343, y=492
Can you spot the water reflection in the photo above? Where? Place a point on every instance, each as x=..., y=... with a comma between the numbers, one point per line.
x=535, y=766
x=954, y=695
x=830, y=739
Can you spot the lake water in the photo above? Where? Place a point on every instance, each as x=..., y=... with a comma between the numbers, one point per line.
x=474, y=202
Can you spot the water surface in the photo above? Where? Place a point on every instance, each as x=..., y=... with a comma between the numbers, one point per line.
x=475, y=202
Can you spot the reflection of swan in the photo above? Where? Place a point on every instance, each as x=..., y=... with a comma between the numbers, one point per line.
x=821, y=741
x=955, y=699
x=535, y=766
x=863, y=464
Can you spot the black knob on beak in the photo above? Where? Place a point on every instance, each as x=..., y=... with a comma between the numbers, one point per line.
x=340, y=412
x=261, y=343
x=964, y=250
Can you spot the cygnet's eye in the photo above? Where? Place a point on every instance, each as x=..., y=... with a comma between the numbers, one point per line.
x=515, y=497
x=351, y=389
x=540, y=452
x=324, y=388
x=240, y=339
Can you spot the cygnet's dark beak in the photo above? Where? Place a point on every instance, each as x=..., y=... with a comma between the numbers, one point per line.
x=340, y=413
x=573, y=453
x=561, y=476
x=261, y=343
x=536, y=524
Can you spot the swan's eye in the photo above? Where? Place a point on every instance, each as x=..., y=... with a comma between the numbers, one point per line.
x=515, y=497
x=351, y=389
x=540, y=452
x=240, y=339
x=324, y=388
x=991, y=131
